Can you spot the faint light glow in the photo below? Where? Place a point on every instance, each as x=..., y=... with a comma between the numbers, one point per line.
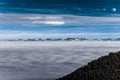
x=3, y=3
x=104, y=9
x=114, y=9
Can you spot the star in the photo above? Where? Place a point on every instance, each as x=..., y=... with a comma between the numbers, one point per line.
x=114, y=9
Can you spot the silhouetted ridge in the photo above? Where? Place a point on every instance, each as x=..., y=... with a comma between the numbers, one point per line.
x=104, y=68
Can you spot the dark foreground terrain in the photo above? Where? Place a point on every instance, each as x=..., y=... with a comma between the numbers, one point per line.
x=104, y=68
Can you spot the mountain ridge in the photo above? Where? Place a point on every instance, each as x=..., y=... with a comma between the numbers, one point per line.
x=104, y=68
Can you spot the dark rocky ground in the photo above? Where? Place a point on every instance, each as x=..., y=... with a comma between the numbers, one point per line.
x=104, y=68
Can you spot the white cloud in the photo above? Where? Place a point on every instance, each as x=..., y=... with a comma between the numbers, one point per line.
x=32, y=18
x=45, y=19
x=49, y=22
x=53, y=17
x=35, y=19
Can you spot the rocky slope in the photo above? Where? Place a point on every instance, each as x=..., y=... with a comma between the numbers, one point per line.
x=104, y=68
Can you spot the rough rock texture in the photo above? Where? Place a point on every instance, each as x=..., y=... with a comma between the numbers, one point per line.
x=104, y=68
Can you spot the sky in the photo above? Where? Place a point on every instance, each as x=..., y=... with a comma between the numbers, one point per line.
x=59, y=18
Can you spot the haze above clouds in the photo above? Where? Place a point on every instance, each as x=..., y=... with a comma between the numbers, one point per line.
x=60, y=17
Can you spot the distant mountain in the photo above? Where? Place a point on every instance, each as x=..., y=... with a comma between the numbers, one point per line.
x=104, y=68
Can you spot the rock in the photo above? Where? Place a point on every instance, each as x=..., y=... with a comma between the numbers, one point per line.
x=104, y=68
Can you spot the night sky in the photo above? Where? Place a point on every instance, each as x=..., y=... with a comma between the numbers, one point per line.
x=59, y=18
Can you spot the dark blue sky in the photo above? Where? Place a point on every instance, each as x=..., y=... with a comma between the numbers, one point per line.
x=76, y=7
x=59, y=17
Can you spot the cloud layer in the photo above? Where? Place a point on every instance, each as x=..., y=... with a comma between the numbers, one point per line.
x=45, y=60
x=42, y=25
x=58, y=19
x=60, y=16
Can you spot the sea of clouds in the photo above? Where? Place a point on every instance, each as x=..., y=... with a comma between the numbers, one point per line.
x=48, y=60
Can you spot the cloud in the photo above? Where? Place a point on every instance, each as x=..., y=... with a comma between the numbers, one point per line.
x=32, y=18
x=45, y=19
x=49, y=22
x=51, y=25
x=56, y=20
x=11, y=34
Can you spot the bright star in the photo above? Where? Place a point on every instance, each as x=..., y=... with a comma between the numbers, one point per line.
x=114, y=9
